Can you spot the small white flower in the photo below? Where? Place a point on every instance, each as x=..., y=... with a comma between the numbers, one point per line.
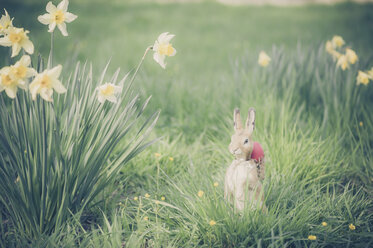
x=57, y=16
x=162, y=47
x=45, y=82
x=17, y=38
x=263, y=59
x=5, y=23
x=107, y=92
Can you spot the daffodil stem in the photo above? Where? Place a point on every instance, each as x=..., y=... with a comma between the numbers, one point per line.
x=50, y=60
x=139, y=65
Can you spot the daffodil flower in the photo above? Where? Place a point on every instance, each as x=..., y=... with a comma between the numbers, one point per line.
x=17, y=38
x=21, y=70
x=370, y=73
x=329, y=47
x=57, y=16
x=163, y=48
x=337, y=41
x=107, y=92
x=363, y=78
x=9, y=83
x=351, y=56
x=45, y=82
x=263, y=59
x=5, y=23
x=343, y=62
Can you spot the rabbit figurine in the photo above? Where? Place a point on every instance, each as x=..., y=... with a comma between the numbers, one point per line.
x=242, y=178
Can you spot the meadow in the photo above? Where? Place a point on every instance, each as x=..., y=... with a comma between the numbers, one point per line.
x=313, y=120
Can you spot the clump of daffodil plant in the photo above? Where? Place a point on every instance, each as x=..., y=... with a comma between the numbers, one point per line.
x=64, y=136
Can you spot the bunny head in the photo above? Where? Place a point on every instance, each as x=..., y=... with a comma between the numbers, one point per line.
x=241, y=145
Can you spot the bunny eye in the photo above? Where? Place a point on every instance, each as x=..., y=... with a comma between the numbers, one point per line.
x=246, y=141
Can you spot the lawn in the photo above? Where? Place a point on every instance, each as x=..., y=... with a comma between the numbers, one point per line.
x=313, y=121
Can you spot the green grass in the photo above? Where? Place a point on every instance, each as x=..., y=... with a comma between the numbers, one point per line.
x=319, y=160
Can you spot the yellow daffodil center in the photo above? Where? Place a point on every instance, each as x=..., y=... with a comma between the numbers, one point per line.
x=166, y=49
x=46, y=82
x=20, y=71
x=59, y=16
x=108, y=91
x=15, y=38
x=6, y=80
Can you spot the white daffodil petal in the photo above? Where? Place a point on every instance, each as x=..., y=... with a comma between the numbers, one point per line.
x=168, y=38
x=69, y=17
x=1, y=87
x=5, y=41
x=45, y=19
x=101, y=98
x=112, y=99
x=15, y=49
x=34, y=87
x=159, y=59
x=63, y=5
x=11, y=92
x=22, y=84
x=117, y=89
x=46, y=94
x=31, y=72
x=51, y=27
x=25, y=60
x=50, y=7
x=62, y=28
x=162, y=36
x=58, y=87
x=28, y=46
x=55, y=71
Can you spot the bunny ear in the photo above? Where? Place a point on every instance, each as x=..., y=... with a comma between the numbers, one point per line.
x=237, y=119
x=250, y=122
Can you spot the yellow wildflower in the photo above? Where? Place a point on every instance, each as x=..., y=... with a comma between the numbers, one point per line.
x=135, y=198
x=5, y=23
x=324, y=223
x=157, y=202
x=352, y=227
x=17, y=38
x=312, y=237
x=216, y=184
x=163, y=198
x=351, y=56
x=45, y=82
x=171, y=159
x=147, y=195
x=212, y=223
x=146, y=218
x=107, y=92
x=343, y=62
x=157, y=155
x=338, y=41
x=57, y=16
x=162, y=48
x=200, y=193
x=362, y=78
x=361, y=123
x=263, y=59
